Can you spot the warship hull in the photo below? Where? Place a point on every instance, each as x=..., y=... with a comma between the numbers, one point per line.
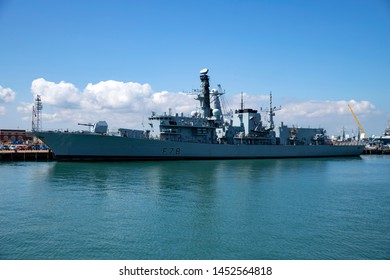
x=73, y=146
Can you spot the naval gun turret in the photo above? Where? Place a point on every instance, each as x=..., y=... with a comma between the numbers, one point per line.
x=100, y=127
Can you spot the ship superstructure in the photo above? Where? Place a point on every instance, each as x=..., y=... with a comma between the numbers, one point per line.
x=205, y=134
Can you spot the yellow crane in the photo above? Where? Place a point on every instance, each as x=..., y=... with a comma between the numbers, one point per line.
x=357, y=121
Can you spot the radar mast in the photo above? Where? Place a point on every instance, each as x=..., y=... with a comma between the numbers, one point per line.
x=204, y=96
x=37, y=114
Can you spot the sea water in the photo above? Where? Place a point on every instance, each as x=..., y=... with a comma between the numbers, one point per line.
x=327, y=208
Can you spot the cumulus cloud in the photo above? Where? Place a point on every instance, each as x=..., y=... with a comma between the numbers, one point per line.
x=333, y=115
x=250, y=100
x=115, y=95
x=24, y=108
x=6, y=95
x=323, y=109
x=60, y=95
x=124, y=103
x=178, y=101
x=128, y=104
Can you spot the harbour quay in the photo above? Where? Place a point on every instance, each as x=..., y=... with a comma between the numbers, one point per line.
x=384, y=150
x=21, y=145
x=26, y=155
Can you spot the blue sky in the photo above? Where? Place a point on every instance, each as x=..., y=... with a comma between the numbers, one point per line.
x=119, y=60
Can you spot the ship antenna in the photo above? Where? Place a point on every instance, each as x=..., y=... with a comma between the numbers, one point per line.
x=37, y=114
x=272, y=111
x=242, y=101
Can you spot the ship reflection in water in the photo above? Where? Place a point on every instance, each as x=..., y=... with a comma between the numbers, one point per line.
x=214, y=209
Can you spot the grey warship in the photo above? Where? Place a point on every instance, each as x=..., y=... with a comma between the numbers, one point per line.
x=205, y=134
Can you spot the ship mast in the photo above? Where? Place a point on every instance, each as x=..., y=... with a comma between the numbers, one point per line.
x=242, y=101
x=272, y=112
x=37, y=114
x=204, y=96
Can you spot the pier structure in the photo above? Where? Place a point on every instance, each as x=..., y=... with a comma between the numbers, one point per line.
x=26, y=155
x=385, y=150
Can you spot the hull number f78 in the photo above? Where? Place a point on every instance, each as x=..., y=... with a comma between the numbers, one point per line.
x=171, y=151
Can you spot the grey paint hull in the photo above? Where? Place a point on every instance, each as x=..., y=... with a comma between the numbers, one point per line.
x=79, y=146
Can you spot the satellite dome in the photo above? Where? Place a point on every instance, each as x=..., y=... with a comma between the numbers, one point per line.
x=217, y=113
x=204, y=71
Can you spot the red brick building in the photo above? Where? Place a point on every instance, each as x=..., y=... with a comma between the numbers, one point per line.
x=12, y=135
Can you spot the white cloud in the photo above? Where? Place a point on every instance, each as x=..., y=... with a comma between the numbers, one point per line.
x=2, y=110
x=128, y=104
x=178, y=102
x=250, y=101
x=6, y=95
x=332, y=115
x=120, y=103
x=324, y=109
x=362, y=107
x=25, y=108
x=115, y=95
x=59, y=95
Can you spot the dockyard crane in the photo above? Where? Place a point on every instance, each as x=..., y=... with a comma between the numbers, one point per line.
x=357, y=121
